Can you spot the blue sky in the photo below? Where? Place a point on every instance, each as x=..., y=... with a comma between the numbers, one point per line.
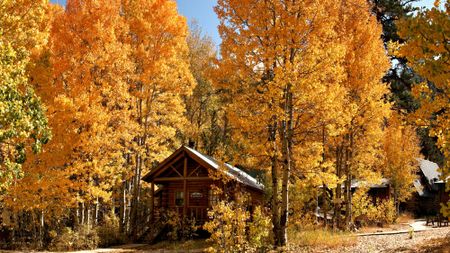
x=202, y=11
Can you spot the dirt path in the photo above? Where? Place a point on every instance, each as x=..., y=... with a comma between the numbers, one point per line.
x=392, y=243
x=424, y=240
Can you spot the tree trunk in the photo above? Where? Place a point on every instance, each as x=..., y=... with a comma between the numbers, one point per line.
x=324, y=186
x=274, y=172
x=41, y=228
x=396, y=202
x=122, y=209
x=287, y=147
x=82, y=213
x=325, y=206
x=338, y=195
x=88, y=214
x=96, y=207
x=348, y=199
x=348, y=171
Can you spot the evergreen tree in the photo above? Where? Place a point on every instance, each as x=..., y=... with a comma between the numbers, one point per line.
x=401, y=76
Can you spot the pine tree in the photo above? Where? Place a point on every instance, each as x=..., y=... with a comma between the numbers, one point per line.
x=427, y=51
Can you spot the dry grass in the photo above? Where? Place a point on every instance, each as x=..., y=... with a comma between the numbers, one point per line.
x=178, y=245
x=321, y=238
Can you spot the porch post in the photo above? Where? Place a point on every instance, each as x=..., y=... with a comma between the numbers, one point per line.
x=185, y=187
x=152, y=203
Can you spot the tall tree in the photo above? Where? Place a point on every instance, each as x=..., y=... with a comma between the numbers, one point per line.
x=23, y=125
x=90, y=106
x=160, y=79
x=208, y=129
x=358, y=147
x=401, y=77
x=428, y=52
x=401, y=151
x=281, y=67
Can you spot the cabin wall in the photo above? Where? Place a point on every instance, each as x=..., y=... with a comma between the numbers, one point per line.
x=199, y=187
x=171, y=176
x=198, y=193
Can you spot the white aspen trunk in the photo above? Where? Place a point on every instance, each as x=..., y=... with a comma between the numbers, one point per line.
x=96, y=207
x=287, y=147
x=88, y=215
x=82, y=213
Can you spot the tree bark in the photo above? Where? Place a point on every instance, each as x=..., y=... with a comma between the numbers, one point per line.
x=122, y=209
x=274, y=172
x=348, y=171
x=338, y=195
x=287, y=157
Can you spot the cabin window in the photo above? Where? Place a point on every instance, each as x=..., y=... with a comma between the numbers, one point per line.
x=179, y=198
x=213, y=198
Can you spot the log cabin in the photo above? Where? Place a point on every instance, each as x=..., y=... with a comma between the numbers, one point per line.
x=182, y=182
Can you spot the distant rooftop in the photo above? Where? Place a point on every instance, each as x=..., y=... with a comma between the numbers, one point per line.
x=357, y=183
x=430, y=170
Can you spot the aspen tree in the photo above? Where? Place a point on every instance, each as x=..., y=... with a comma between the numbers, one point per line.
x=160, y=80
x=281, y=67
x=91, y=107
x=358, y=147
x=401, y=151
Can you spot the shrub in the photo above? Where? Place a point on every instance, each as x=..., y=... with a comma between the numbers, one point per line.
x=259, y=230
x=227, y=227
x=386, y=213
x=232, y=230
x=306, y=221
x=179, y=228
x=109, y=231
x=320, y=238
x=81, y=238
x=382, y=212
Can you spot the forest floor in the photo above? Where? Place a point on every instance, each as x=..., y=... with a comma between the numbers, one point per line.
x=428, y=240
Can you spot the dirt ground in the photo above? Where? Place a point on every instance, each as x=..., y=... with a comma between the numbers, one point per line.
x=435, y=240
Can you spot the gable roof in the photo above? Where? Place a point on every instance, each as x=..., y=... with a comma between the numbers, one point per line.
x=233, y=172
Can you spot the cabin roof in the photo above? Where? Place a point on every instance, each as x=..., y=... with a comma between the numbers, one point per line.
x=430, y=171
x=233, y=172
